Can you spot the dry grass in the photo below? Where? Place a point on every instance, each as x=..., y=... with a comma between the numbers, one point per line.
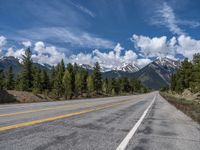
x=189, y=107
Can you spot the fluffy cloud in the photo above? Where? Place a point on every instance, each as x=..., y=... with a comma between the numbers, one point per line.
x=109, y=60
x=41, y=53
x=27, y=43
x=18, y=53
x=47, y=54
x=188, y=46
x=161, y=47
x=154, y=47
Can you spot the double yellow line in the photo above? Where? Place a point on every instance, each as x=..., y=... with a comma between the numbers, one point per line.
x=60, y=117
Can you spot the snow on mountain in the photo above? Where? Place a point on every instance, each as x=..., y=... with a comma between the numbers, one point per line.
x=168, y=63
x=130, y=68
x=86, y=66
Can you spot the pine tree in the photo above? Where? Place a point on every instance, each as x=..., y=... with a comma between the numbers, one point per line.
x=97, y=78
x=37, y=82
x=45, y=80
x=67, y=85
x=78, y=84
x=84, y=76
x=26, y=77
x=90, y=86
x=106, y=86
x=9, y=80
x=70, y=68
x=2, y=78
x=62, y=67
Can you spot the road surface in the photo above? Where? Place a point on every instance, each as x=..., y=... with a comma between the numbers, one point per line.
x=139, y=122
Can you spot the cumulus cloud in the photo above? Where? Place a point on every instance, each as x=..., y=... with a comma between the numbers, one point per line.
x=27, y=43
x=188, y=46
x=47, y=54
x=163, y=47
x=155, y=46
x=18, y=53
x=112, y=59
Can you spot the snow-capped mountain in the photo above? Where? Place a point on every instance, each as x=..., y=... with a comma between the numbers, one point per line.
x=130, y=68
x=168, y=63
x=157, y=74
x=86, y=66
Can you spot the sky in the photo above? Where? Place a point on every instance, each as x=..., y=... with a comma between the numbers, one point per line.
x=112, y=32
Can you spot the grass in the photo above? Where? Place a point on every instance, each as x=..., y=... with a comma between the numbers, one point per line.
x=189, y=107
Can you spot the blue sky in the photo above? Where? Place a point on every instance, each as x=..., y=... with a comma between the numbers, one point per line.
x=97, y=29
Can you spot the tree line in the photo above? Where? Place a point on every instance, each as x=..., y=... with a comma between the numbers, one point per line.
x=187, y=76
x=69, y=81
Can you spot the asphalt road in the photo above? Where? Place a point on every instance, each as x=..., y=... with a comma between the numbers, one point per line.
x=139, y=122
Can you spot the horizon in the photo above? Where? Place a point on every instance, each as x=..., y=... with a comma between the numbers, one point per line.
x=110, y=33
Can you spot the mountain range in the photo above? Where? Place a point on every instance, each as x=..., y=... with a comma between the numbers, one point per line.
x=154, y=75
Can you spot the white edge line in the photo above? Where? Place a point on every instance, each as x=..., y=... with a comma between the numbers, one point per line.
x=124, y=143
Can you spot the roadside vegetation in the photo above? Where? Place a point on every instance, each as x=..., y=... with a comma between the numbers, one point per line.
x=65, y=82
x=189, y=107
x=184, y=91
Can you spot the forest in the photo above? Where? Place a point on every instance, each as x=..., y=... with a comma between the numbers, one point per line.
x=66, y=81
x=187, y=76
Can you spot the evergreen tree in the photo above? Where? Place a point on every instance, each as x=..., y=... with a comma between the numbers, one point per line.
x=26, y=77
x=90, y=86
x=97, y=78
x=2, y=78
x=37, y=81
x=78, y=84
x=106, y=86
x=84, y=76
x=67, y=85
x=45, y=80
x=70, y=69
x=9, y=80
x=115, y=86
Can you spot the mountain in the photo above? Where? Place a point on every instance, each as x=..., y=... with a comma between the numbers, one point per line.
x=6, y=62
x=130, y=68
x=157, y=74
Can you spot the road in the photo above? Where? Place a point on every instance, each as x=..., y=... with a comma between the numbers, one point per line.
x=139, y=122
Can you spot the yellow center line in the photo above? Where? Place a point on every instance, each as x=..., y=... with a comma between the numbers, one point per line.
x=39, y=110
x=60, y=117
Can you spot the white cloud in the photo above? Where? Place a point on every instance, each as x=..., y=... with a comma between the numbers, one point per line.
x=188, y=46
x=165, y=16
x=143, y=62
x=169, y=19
x=112, y=59
x=84, y=9
x=162, y=47
x=27, y=43
x=17, y=54
x=154, y=47
x=2, y=43
x=47, y=54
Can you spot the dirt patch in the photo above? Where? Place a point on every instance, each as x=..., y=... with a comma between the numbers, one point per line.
x=11, y=96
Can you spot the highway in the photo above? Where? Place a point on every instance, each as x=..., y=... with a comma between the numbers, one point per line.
x=138, y=122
